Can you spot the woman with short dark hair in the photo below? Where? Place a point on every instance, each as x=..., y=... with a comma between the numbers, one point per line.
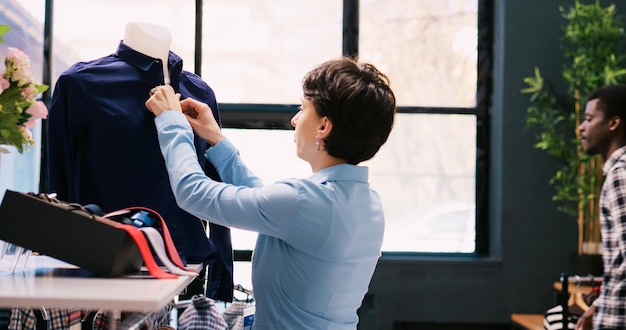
x=319, y=237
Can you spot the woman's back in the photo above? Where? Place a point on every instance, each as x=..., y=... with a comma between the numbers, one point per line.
x=317, y=275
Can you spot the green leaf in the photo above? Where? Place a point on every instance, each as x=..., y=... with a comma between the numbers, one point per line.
x=3, y=29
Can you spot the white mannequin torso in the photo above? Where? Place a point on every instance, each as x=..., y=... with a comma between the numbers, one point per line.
x=152, y=40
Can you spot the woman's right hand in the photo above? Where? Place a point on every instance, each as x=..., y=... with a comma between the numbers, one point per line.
x=201, y=119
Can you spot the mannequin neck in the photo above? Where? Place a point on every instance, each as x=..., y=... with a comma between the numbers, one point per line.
x=151, y=40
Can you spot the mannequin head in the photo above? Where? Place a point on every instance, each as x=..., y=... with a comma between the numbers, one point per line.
x=150, y=39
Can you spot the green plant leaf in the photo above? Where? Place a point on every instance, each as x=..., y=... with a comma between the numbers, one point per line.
x=3, y=29
x=592, y=42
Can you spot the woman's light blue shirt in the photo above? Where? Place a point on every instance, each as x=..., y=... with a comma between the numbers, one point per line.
x=319, y=238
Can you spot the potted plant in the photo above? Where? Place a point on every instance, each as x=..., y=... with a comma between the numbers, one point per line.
x=592, y=37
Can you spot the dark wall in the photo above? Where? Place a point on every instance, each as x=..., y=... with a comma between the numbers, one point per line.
x=531, y=242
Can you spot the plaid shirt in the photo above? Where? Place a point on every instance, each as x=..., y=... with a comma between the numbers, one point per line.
x=67, y=319
x=201, y=315
x=611, y=304
x=59, y=319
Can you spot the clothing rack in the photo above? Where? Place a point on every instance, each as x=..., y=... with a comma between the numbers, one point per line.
x=564, y=299
x=565, y=294
x=584, y=280
x=182, y=304
x=249, y=295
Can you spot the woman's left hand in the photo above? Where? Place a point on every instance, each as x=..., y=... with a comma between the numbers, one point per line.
x=163, y=98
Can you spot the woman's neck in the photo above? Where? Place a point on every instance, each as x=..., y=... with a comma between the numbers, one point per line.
x=325, y=162
x=152, y=40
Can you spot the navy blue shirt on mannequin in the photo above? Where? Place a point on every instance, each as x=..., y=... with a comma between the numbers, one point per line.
x=103, y=149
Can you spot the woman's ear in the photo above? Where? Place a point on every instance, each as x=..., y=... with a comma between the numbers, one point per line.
x=325, y=127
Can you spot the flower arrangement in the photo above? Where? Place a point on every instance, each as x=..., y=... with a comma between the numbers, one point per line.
x=19, y=108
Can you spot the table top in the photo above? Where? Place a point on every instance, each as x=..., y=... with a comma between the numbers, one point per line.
x=51, y=283
x=575, y=288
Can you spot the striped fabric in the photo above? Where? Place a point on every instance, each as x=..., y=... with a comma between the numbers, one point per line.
x=554, y=319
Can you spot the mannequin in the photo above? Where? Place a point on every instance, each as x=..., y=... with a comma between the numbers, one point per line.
x=152, y=40
x=103, y=148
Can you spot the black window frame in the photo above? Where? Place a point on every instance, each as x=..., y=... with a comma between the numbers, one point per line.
x=277, y=116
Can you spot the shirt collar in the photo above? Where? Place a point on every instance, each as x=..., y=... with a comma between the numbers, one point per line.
x=615, y=156
x=341, y=172
x=144, y=62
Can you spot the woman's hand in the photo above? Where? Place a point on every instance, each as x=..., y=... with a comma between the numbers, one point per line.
x=201, y=119
x=163, y=98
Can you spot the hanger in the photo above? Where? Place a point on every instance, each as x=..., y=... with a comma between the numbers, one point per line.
x=589, y=297
x=576, y=303
x=248, y=292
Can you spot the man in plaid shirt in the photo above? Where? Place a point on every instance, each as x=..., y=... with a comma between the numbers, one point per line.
x=603, y=132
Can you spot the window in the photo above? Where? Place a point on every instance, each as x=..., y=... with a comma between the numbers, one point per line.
x=254, y=54
x=429, y=50
x=427, y=47
x=256, y=51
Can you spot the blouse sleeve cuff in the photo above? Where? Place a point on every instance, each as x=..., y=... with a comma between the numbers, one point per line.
x=221, y=152
x=170, y=118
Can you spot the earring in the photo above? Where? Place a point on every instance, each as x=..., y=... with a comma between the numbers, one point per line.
x=317, y=142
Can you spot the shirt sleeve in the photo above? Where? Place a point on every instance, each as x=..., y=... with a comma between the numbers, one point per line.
x=66, y=129
x=225, y=157
x=267, y=210
x=617, y=206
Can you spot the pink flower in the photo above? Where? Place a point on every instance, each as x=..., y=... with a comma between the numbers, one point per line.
x=37, y=111
x=4, y=84
x=18, y=105
x=22, y=75
x=17, y=56
x=26, y=133
x=18, y=67
x=30, y=91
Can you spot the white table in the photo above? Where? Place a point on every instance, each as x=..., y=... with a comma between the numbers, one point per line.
x=50, y=283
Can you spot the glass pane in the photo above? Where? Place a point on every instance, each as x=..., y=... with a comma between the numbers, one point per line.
x=20, y=172
x=271, y=155
x=256, y=51
x=97, y=31
x=425, y=175
x=427, y=47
